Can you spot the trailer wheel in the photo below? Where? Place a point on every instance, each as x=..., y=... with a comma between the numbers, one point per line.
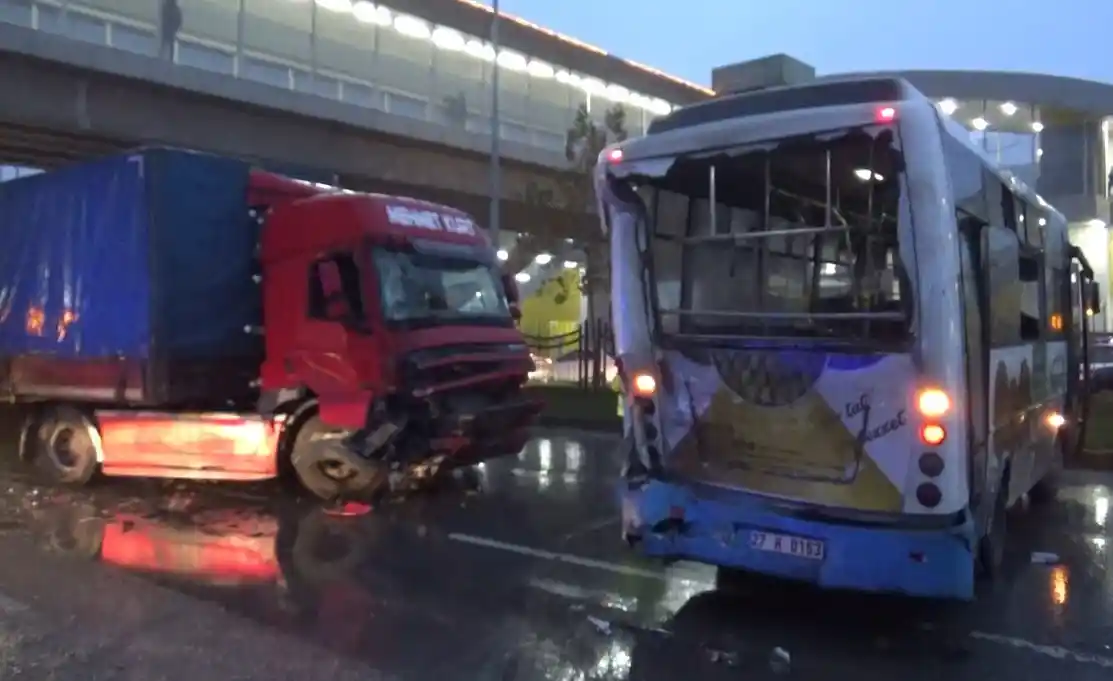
x=324, y=472
x=66, y=447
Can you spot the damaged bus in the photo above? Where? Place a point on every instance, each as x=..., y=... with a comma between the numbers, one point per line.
x=849, y=343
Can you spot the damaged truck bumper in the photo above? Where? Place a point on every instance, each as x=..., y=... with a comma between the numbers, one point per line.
x=393, y=454
x=734, y=529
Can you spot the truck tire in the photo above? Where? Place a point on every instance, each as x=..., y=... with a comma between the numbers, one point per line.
x=325, y=550
x=323, y=473
x=65, y=451
x=75, y=530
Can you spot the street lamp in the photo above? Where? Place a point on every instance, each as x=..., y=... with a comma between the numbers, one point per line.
x=496, y=133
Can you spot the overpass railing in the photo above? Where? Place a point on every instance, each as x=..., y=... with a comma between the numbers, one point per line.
x=355, y=52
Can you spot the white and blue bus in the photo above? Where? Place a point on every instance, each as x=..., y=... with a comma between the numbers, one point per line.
x=848, y=341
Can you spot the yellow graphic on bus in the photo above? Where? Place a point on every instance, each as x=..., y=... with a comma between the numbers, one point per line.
x=801, y=450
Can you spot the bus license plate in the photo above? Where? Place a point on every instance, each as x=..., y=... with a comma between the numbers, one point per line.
x=812, y=549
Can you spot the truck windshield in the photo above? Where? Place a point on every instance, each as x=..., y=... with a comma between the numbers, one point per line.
x=793, y=237
x=432, y=287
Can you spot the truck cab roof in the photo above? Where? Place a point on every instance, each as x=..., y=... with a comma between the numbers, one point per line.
x=311, y=216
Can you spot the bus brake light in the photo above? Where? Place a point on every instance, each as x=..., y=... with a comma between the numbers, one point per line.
x=886, y=114
x=932, y=434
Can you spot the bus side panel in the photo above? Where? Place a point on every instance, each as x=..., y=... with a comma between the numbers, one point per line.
x=941, y=356
x=1010, y=423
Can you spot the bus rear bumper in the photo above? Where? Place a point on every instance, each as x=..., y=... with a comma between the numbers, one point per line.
x=669, y=520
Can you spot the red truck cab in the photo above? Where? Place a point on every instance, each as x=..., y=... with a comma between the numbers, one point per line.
x=393, y=314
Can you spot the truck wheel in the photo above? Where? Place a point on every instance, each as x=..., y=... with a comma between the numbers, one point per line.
x=325, y=550
x=76, y=531
x=324, y=472
x=66, y=448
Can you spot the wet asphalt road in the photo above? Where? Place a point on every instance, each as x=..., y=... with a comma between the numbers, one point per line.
x=519, y=575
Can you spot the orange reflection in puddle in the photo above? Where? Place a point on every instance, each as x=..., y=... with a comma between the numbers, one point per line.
x=1059, y=583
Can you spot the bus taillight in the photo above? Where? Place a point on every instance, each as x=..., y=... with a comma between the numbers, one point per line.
x=886, y=114
x=933, y=403
x=932, y=434
x=644, y=385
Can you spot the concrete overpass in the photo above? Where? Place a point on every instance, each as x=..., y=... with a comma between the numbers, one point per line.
x=82, y=82
x=84, y=100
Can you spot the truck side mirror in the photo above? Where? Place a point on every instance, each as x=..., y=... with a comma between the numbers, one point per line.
x=510, y=287
x=1093, y=298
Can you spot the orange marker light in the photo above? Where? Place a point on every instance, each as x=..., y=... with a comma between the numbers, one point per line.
x=644, y=385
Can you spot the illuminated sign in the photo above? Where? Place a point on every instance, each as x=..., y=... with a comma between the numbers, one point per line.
x=406, y=216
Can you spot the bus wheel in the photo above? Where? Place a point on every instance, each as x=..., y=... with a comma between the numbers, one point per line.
x=991, y=547
x=66, y=447
x=1046, y=489
x=732, y=581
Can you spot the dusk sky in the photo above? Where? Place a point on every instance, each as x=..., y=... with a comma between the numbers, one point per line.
x=689, y=37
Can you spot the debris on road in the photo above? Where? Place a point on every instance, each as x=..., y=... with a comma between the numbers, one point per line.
x=780, y=661
x=602, y=626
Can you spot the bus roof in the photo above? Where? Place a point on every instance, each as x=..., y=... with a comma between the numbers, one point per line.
x=828, y=92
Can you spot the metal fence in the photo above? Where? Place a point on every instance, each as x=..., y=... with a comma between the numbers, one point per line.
x=583, y=357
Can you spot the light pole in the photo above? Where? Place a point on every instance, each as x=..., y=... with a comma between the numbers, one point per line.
x=496, y=133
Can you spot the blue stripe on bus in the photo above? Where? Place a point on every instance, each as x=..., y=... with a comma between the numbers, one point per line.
x=932, y=563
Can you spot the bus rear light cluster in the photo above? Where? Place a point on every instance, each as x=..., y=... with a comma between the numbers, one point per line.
x=642, y=388
x=933, y=404
x=931, y=464
x=932, y=434
x=929, y=495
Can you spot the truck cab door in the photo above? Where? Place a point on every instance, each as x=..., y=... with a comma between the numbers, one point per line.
x=335, y=355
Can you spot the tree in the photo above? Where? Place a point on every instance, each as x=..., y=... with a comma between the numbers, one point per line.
x=584, y=142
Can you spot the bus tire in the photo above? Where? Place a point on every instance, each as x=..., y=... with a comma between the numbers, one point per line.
x=730, y=580
x=991, y=547
x=1045, y=491
x=1047, y=488
x=66, y=447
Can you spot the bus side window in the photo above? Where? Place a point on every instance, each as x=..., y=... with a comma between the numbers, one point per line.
x=1032, y=304
x=1001, y=263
